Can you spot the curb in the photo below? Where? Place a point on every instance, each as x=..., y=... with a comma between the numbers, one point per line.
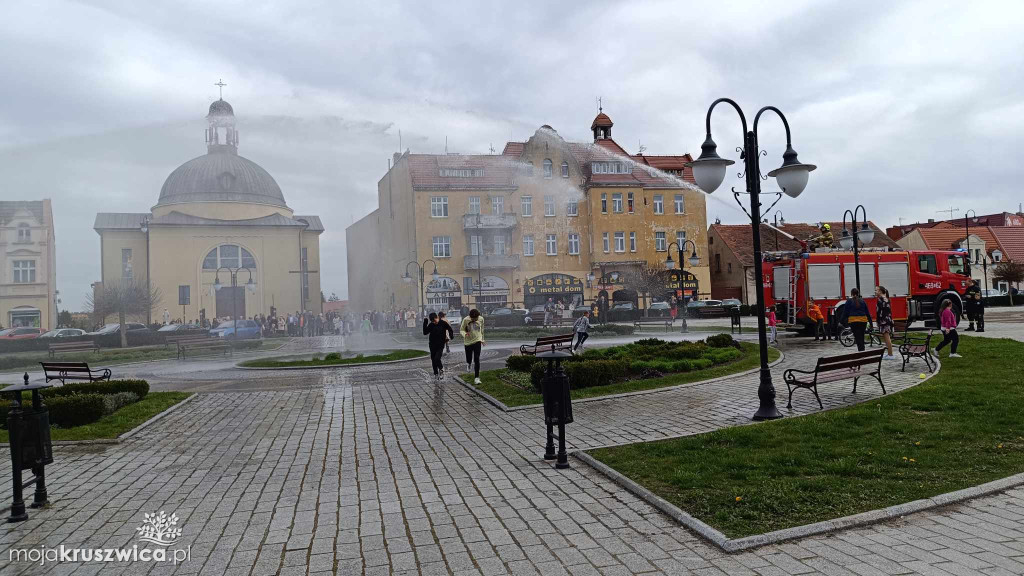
x=505, y=408
x=352, y=365
x=129, y=433
x=746, y=543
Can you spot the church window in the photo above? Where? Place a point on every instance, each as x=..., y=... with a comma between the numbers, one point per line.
x=230, y=256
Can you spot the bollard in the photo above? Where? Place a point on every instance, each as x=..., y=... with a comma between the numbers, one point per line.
x=557, y=404
x=31, y=449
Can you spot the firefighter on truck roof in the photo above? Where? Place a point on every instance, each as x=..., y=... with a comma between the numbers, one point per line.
x=823, y=240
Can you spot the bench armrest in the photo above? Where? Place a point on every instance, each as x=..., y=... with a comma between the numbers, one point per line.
x=790, y=374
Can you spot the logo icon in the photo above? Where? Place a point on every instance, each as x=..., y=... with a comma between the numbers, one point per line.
x=159, y=529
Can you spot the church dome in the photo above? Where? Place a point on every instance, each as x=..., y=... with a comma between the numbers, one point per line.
x=221, y=108
x=221, y=176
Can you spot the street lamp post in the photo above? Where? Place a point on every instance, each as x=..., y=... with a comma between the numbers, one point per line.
x=420, y=268
x=250, y=285
x=967, y=238
x=145, y=230
x=858, y=238
x=709, y=172
x=670, y=264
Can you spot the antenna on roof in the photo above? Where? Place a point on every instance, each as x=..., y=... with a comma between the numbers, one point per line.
x=399, y=140
x=950, y=210
x=491, y=147
x=446, y=145
x=642, y=148
x=599, y=107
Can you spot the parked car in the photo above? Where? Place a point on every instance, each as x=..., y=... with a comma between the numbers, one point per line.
x=623, y=312
x=115, y=328
x=992, y=292
x=506, y=317
x=247, y=330
x=659, y=309
x=706, y=308
x=20, y=333
x=178, y=328
x=63, y=333
x=731, y=303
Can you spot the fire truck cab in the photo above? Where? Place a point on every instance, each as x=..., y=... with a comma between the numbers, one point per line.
x=918, y=282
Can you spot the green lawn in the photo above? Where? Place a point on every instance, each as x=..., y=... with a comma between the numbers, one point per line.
x=961, y=428
x=491, y=383
x=104, y=357
x=113, y=425
x=331, y=361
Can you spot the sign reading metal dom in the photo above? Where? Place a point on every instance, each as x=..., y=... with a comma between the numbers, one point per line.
x=539, y=288
x=681, y=283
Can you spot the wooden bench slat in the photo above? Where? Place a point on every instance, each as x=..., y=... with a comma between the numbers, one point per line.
x=73, y=371
x=833, y=369
x=555, y=342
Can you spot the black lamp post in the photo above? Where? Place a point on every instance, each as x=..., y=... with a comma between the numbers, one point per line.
x=420, y=268
x=144, y=227
x=860, y=236
x=670, y=264
x=709, y=172
x=234, y=293
x=967, y=238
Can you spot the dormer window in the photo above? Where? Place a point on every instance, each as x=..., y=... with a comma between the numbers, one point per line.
x=24, y=233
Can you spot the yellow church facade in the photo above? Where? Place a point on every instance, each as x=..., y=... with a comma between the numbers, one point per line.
x=220, y=243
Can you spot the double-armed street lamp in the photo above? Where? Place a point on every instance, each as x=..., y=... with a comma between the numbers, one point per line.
x=859, y=237
x=420, y=269
x=670, y=264
x=249, y=285
x=709, y=172
x=968, y=217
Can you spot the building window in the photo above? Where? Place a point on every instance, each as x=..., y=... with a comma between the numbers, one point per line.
x=24, y=271
x=229, y=255
x=610, y=168
x=126, y=263
x=659, y=241
x=718, y=263
x=474, y=204
x=572, y=208
x=617, y=203
x=604, y=238
x=574, y=244
x=549, y=205
x=438, y=206
x=729, y=265
x=499, y=244
x=547, y=167
x=659, y=204
x=679, y=203
x=527, y=205
x=462, y=172
x=632, y=241
x=24, y=233
x=552, y=245
x=475, y=247
x=604, y=203
x=442, y=246
x=528, y=245
x=497, y=204
x=620, y=241
x=565, y=169
x=629, y=202
x=681, y=240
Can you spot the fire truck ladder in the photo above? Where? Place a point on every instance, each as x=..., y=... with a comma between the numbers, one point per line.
x=791, y=307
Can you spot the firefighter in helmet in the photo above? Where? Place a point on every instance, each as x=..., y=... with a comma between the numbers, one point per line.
x=823, y=240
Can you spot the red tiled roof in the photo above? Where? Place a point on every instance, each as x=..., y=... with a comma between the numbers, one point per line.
x=425, y=171
x=949, y=237
x=513, y=149
x=601, y=119
x=1011, y=241
x=738, y=239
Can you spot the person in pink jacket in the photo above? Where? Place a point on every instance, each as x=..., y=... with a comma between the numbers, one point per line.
x=947, y=321
x=773, y=322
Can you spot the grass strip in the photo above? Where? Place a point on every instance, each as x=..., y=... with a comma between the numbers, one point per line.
x=959, y=429
x=491, y=382
x=360, y=359
x=121, y=421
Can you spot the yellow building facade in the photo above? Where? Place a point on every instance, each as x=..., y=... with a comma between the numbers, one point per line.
x=545, y=219
x=221, y=242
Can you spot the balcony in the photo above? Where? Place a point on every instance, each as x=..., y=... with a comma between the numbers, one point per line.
x=490, y=261
x=489, y=221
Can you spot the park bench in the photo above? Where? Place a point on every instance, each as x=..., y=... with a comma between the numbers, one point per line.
x=190, y=342
x=665, y=321
x=836, y=368
x=80, y=346
x=710, y=312
x=917, y=345
x=64, y=371
x=559, y=342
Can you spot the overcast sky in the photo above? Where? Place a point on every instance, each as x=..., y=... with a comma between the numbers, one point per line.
x=906, y=107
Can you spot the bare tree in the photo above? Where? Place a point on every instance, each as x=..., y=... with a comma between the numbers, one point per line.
x=1011, y=272
x=646, y=280
x=125, y=298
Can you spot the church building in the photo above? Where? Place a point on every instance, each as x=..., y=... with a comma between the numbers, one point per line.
x=220, y=242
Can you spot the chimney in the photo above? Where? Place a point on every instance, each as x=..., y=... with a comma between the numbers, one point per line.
x=931, y=220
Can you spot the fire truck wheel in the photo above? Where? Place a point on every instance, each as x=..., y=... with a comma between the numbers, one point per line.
x=957, y=309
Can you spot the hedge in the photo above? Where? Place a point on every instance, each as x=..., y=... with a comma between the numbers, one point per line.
x=521, y=362
x=138, y=387
x=79, y=403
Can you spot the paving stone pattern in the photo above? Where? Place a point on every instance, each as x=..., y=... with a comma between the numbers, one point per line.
x=380, y=470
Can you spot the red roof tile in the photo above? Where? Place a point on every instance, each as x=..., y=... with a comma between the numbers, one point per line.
x=740, y=241
x=1011, y=241
x=948, y=237
x=513, y=149
x=601, y=119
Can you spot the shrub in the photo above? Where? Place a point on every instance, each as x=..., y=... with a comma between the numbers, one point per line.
x=618, y=329
x=536, y=374
x=596, y=372
x=75, y=410
x=520, y=362
x=333, y=357
x=138, y=387
x=650, y=342
x=720, y=341
x=114, y=402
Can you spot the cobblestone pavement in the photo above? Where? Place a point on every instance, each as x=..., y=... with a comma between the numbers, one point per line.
x=380, y=470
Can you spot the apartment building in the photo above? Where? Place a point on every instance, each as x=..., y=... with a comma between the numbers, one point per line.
x=28, y=278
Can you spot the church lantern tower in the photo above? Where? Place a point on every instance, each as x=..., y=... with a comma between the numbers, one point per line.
x=221, y=135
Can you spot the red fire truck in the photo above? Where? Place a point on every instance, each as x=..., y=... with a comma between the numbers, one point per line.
x=918, y=282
